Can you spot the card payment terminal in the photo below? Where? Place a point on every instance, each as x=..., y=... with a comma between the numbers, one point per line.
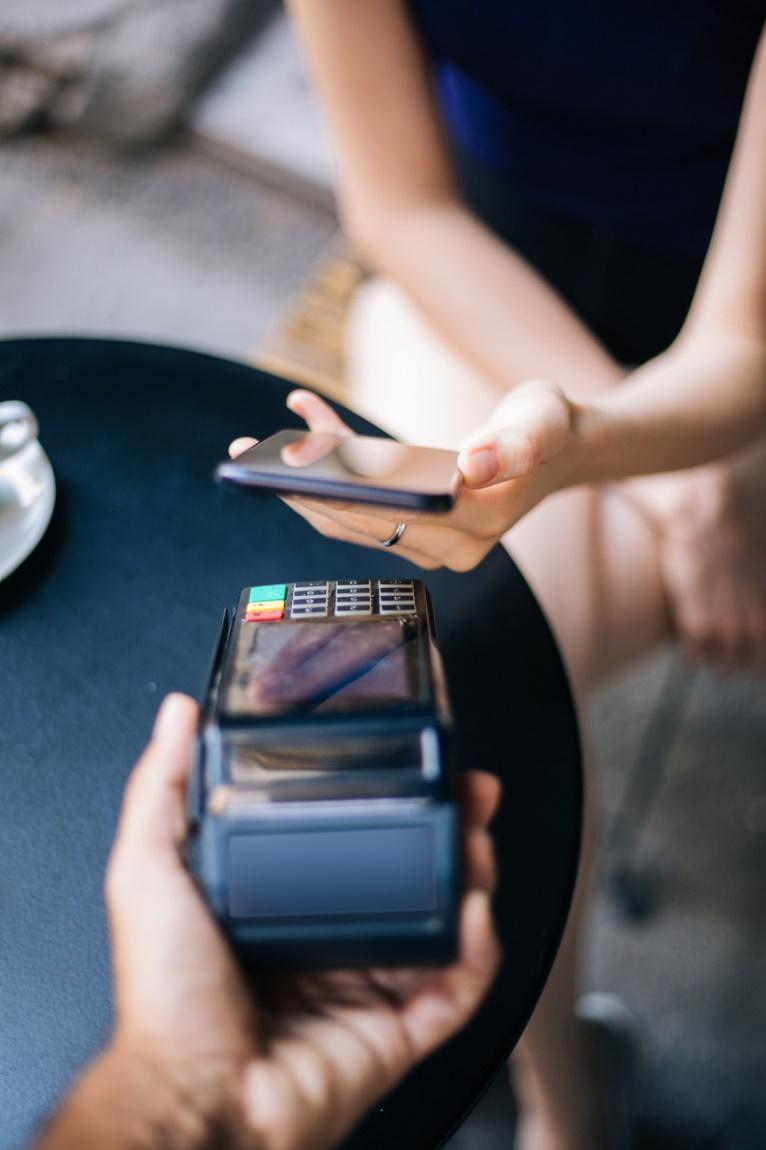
x=322, y=803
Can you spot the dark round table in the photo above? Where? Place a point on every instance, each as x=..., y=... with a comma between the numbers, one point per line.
x=120, y=604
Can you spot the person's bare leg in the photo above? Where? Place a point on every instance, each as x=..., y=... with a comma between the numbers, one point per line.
x=605, y=605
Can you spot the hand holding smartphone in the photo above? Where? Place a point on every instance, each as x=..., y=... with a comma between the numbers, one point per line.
x=353, y=468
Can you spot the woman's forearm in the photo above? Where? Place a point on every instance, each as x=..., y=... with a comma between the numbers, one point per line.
x=399, y=202
x=706, y=397
x=702, y=400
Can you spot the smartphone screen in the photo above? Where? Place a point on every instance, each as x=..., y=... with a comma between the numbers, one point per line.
x=348, y=467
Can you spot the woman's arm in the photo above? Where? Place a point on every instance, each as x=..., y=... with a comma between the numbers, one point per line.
x=399, y=202
x=706, y=396
x=699, y=401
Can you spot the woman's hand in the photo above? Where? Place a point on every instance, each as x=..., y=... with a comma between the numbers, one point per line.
x=199, y=1057
x=711, y=538
x=524, y=456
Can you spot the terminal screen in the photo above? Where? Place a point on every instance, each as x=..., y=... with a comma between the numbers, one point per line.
x=321, y=668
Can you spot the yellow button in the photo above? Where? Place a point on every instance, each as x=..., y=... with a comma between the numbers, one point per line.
x=270, y=605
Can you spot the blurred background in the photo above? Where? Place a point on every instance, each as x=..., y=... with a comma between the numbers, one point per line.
x=165, y=175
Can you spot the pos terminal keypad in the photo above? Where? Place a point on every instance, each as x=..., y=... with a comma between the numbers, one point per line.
x=321, y=599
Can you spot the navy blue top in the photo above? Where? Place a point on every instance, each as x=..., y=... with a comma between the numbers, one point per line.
x=622, y=114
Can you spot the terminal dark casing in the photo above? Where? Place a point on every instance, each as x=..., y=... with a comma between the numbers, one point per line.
x=323, y=813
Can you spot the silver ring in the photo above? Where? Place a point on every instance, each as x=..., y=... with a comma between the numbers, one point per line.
x=395, y=536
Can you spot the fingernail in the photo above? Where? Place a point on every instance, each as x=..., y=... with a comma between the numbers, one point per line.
x=483, y=465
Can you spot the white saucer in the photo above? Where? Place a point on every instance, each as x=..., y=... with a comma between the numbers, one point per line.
x=27, y=498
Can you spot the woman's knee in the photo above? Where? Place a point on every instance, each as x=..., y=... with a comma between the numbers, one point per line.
x=593, y=564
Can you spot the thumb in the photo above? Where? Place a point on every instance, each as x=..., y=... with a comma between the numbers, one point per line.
x=153, y=816
x=530, y=426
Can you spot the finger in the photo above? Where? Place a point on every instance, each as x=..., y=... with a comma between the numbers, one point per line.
x=479, y=949
x=480, y=865
x=237, y=446
x=445, y=1006
x=332, y=527
x=428, y=545
x=153, y=816
x=310, y=448
x=479, y=798
x=318, y=414
x=373, y=526
x=536, y=421
x=388, y=516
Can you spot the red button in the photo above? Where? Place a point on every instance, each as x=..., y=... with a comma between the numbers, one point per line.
x=263, y=616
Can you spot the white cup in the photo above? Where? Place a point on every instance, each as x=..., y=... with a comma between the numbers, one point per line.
x=18, y=427
x=27, y=485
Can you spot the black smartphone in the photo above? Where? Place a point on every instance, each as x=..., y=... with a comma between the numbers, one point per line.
x=356, y=468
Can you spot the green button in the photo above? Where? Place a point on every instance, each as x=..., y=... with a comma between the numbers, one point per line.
x=271, y=591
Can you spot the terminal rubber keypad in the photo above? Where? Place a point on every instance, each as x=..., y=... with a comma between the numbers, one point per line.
x=354, y=598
